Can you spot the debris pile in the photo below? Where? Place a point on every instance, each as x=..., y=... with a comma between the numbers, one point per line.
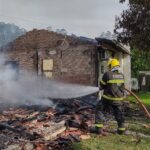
x=42, y=127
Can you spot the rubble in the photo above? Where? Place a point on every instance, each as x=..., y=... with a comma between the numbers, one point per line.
x=42, y=127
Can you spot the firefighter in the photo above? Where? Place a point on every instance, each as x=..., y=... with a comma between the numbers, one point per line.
x=112, y=84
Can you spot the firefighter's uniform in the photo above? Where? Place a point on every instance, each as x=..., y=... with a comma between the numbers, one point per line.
x=112, y=83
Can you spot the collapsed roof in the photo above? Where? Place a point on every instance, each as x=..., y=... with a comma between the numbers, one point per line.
x=116, y=45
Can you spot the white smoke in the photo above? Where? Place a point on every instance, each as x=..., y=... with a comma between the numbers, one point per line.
x=31, y=89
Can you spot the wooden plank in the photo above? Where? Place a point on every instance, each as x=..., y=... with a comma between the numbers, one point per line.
x=47, y=64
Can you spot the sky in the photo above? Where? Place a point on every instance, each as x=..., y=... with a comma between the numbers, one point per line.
x=81, y=17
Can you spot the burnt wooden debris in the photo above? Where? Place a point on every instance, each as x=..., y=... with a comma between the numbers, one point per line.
x=43, y=127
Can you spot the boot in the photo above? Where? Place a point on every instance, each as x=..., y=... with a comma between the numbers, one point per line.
x=101, y=131
x=121, y=128
x=98, y=130
x=121, y=131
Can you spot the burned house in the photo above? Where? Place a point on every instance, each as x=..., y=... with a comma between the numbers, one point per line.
x=55, y=56
x=66, y=58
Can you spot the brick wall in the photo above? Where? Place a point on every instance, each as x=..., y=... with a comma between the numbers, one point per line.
x=74, y=60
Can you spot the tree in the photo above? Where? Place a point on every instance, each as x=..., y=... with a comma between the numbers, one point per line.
x=133, y=26
x=139, y=62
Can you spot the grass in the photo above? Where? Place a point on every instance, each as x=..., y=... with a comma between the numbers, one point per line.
x=145, y=97
x=136, y=124
x=115, y=142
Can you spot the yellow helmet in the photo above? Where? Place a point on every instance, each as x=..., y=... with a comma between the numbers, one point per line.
x=113, y=63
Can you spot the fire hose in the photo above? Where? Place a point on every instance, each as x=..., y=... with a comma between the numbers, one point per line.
x=139, y=102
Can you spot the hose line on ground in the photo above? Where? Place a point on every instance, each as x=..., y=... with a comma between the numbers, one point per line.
x=140, y=102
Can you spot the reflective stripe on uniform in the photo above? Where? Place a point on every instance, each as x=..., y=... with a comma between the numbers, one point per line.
x=99, y=125
x=121, y=129
x=113, y=98
x=101, y=81
x=115, y=81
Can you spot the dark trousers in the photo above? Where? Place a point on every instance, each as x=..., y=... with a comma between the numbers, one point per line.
x=117, y=111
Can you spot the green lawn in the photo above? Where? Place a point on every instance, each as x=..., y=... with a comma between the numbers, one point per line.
x=136, y=124
x=145, y=97
x=115, y=142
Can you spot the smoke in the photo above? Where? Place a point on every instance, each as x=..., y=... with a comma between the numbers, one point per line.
x=30, y=89
x=17, y=90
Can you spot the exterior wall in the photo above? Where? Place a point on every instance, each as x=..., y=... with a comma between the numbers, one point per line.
x=74, y=65
x=104, y=64
x=26, y=60
x=127, y=70
x=74, y=62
